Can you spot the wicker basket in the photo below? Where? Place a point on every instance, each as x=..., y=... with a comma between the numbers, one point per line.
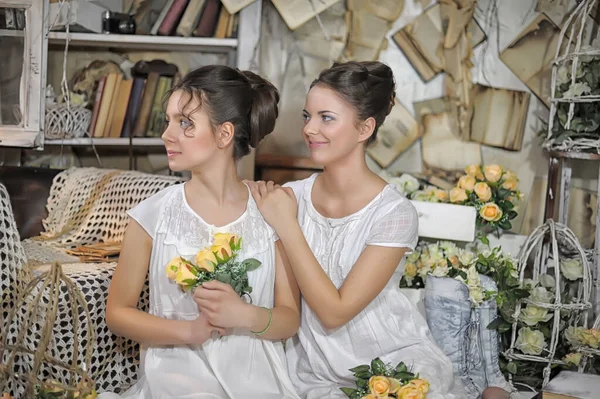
x=64, y=122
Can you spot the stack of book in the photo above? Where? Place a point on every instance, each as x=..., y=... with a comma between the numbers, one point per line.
x=129, y=107
x=199, y=18
x=95, y=253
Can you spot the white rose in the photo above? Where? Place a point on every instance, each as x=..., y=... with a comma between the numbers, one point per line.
x=562, y=75
x=577, y=90
x=441, y=270
x=572, y=269
x=547, y=281
x=447, y=245
x=406, y=184
x=421, y=196
x=541, y=295
x=572, y=335
x=530, y=342
x=424, y=270
x=532, y=315
x=413, y=257
x=476, y=294
x=473, y=276
x=466, y=258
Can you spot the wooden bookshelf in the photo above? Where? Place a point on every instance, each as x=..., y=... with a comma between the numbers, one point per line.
x=144, y=42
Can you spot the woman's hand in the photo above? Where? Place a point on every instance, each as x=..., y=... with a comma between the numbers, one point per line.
x=278, y=205
x=221, y=305
x=201, y=330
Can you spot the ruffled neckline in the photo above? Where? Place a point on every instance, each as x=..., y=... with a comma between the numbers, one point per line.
x=335, y=222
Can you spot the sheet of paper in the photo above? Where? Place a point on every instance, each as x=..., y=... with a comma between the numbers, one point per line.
x=297, y=12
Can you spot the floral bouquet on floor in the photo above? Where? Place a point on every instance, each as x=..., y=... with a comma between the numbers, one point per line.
x=380, y=381
x=492, y=190
x=218, y=261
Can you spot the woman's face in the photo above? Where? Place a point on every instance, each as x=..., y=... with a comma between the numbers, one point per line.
x=330, y=126
x=190, y=140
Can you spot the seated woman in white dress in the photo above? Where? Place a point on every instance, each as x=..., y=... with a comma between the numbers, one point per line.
x=233, y=350
x=345, y=232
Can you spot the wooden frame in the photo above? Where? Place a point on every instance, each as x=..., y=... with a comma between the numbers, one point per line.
x=29, y=133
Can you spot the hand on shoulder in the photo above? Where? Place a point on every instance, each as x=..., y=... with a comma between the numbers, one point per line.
x=277, y=204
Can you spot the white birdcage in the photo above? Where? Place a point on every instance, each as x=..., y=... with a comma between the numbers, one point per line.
x=549, y=244
x=571, y=89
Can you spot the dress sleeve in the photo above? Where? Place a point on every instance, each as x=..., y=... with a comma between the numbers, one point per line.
x=147, y=212
x=396, y=228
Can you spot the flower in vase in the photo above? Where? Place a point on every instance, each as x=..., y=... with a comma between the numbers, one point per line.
x=467, y=182
x=572, y=269
x=466, y=258
x=475, y=171
x=490, y=212
x=483, y=191
x=457, y=195
x=530, y=342
x=510, y=184
x=492, y=173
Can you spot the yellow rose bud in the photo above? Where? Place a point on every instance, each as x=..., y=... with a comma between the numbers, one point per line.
x=173, y=267
x=184, y=273
x=379, y=386
x=483, y=191
x=467, y=182
x=458, y=194
x=421, y=384
x=491, y=212
x=510, y=184
x=226, y=238
x=441, y=195
x=205, y=259
x=409, y=391
x=492, y=173
x=509, y=174
x=222, y=251
x=394, y=385
x=410, y=270
x=475, y=171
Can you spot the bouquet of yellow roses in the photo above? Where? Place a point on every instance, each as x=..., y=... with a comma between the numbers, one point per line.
x=492, y=190
x=215, y=262
x=381, y=381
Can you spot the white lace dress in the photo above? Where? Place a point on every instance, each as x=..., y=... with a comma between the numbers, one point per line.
x=240, y=365
x=391, y=327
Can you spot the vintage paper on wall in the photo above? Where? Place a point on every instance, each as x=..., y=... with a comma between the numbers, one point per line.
x=312, y=40
x=557, y=10
x=441, y=149
x=368, y=30
x=420, y=41
x=399, y=131
x=389, y=10
x=355, y=52
x=233, y=6
x=530, y=56
x=498, y=117
x=531, y=213
x=297, y=12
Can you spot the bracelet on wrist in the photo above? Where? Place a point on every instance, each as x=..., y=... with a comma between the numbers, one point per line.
x=268, y=324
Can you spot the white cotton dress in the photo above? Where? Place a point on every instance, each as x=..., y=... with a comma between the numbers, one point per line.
x=240, y=365
x=390, y=327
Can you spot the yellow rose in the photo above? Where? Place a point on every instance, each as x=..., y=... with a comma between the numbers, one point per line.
x=475, y=171
x=491, y=212
x=410, y=270
x=572, y=359
x=510, y=184
x=184, y=273
x=226, y=238
x=379, y=386
x=421, y=384
x=492, y=173
x=458, y=194
x=205, y=259
x=483, y=191
x=173, y=267
x=409, y=391
x=222, y=251
x=441, y=195
x=467, y=182
x=369, y=396
x=394, y=385
x=509, y=175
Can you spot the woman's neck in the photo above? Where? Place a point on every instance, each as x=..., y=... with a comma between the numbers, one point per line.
x=219, y=183
x=348, y=175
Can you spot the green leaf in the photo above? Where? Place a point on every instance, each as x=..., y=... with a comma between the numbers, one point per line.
x=405, y=376
x=251, y=264
x=377, y=366
x=512, y=367
x=505, y=225
x=504, y=327
x=495, y=324
x=511, y=215
x=349, y=391
x=189, y=281
x=520, y=293
x=503, y=193
x=507, y=205
x=362, y=383
x=223, y=277
x=363, y=374
x=401, y=368
x=358, y=369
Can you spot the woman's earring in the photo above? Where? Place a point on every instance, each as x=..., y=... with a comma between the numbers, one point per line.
x=220, y=145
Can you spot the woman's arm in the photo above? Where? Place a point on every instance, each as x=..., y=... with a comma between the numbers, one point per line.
x=366, y=280
x=122, y=316
x=226, y=309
